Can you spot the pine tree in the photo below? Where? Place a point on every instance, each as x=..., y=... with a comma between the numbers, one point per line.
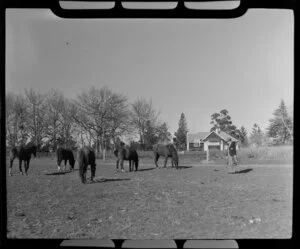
x=163, y=134
x=243, y=137
x=222, y=121
x=281, y=125
x=257, y=136
x=181, y=133
x=150, y=135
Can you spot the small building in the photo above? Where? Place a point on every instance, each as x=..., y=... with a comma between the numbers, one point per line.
x=202, y=141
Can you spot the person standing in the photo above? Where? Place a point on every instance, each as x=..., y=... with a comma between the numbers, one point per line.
x=232, y=157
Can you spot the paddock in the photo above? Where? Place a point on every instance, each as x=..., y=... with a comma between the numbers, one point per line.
x=197, y=201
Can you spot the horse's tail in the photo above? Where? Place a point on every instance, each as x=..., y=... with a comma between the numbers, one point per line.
x=81, y=164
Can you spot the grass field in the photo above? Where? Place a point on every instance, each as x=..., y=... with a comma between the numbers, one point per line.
x=198, y=201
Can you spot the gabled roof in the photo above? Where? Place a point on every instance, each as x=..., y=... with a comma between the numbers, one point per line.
x=223, y=135
x=203, y=135
x=199, y=135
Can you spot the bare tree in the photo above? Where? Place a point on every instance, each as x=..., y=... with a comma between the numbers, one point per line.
x=11, y=136
x=143, y=112
x=81, y=124
x=102, y=112
x=16, y=119
x=55, y=105
x=36, y=121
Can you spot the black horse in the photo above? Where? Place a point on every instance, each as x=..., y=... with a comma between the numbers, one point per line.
x=122, y=153
x=85, y=157
x=66, y=155
x=24, y=154
x=166, y=150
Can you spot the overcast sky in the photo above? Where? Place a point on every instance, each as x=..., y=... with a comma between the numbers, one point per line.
x=197, y=67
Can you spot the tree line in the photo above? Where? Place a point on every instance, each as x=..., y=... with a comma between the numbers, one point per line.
x=278, y=132
x=97, y=117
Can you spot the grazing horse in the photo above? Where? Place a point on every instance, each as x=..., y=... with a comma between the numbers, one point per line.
x=122, y=153
x=85, y=157
x=166, y=150
x=24, y=154
x=66, y=155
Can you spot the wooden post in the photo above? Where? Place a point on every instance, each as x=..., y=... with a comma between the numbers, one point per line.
x=207, y=157
x=187, y=143
x=104, y=151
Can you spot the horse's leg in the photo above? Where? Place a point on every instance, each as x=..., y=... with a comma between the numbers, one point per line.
x=130, y=165
x=84, y=173
x=122, y=165
x=117, y=165
x=26, y=165
x=93, y=172
x=10, y=166
x=166, y=160
x=58, y=164
x=65, y=165
x=156, y=159
x=20, y=166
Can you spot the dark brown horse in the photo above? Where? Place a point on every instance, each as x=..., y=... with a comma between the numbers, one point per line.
x=124, y=153
x=24, y=154
x=166, y=150
x=85, y=157
x=66, y=155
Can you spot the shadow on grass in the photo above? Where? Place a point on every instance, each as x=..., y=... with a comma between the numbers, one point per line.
x=108, y=180
x=60, y=172
x=146, y=169
x=56, y=173
x=185, y=167
x=170, y=167
x=243, y=171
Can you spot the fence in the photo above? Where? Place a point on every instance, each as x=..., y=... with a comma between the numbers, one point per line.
x=244, y=154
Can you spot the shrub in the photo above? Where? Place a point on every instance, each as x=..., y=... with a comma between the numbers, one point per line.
x=267, y=153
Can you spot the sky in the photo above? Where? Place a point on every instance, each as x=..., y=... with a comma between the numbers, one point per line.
x=195, y=67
